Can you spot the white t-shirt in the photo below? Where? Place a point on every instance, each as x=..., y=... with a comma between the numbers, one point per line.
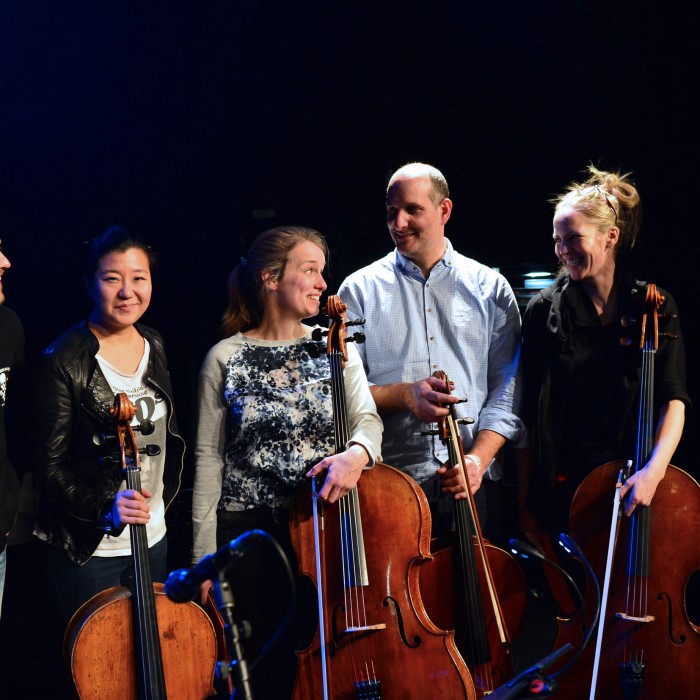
x=149, y=405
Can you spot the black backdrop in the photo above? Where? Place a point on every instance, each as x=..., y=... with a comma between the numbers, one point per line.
x=189, y=121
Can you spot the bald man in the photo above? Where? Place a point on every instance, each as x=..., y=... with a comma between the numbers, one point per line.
x=428, y=308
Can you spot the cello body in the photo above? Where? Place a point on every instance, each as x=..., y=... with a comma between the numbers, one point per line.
x=133, y=642
x=668, y=646
x=399, y=645
x=441, y=596
x=99, y=649
x=469, y=581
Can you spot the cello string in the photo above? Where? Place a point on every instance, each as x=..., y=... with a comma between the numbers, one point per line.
x=352, y=594
x=650, y=439
x=470, y=595
x=468, y=517
x=471, y=589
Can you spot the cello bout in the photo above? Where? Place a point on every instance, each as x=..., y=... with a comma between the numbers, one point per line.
x=99, y=651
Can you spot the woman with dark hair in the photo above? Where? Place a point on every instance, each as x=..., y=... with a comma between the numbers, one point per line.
x=581, y=384
x=84, y=515
x=265, y=424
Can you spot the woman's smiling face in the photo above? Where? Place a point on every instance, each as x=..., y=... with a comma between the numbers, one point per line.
x=298, y=292
x=584, y=250
x=121, y=289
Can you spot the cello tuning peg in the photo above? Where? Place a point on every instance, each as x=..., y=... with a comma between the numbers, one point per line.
x=626, y=342
x=628, y=321
x=671, y=335
x=318, y=333
x=356, y=338
x=668, y=316
x=356, y=322
x=150, y=450
x=430, y=432
x=145, y=427
x=101, y=439
x=465, y=421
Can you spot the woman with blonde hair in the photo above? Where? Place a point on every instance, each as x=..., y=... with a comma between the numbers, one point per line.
x=581, y=383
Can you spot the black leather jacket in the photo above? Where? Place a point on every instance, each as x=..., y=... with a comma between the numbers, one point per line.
x=76, y=483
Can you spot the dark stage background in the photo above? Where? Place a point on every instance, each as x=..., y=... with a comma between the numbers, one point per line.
x=189, y=121
x=200, y=124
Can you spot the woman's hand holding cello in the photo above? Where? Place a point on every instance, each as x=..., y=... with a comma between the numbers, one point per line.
x=343, y=472
x=131, y=508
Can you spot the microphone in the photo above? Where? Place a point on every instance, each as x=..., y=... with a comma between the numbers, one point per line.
x=525, y=550
x=571, y=546
x=183, y=584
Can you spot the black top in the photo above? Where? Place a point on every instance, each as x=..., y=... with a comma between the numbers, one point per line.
x=76, y=475
x=582, y=385
x=11, y=357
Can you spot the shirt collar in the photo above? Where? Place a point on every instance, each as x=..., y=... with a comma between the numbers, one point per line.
x=406, y=265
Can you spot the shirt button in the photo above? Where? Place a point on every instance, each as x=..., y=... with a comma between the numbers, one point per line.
x=427, y=284
x=429, y=309
x=432, y=337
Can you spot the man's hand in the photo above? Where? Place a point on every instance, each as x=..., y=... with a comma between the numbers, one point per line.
x=425, y=398
x=453, y=481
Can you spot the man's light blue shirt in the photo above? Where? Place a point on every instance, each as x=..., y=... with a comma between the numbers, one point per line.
x=463, y=320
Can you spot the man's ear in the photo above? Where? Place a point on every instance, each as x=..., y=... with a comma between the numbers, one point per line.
x=445, y=210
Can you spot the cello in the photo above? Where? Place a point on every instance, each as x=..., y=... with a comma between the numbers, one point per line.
x=648, y=646
x=473, y=587
x=133, y=643
x=363, y=553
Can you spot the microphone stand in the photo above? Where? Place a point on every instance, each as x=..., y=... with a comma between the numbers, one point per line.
x=238, y=667
x=531, y=683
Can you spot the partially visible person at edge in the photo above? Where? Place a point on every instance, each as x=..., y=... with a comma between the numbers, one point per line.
x=429, y=308
x=84, y=511
x=11, y=357
x=581, y=384
x=265, y=425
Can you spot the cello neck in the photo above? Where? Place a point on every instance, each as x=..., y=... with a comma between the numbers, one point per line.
x=149, y=661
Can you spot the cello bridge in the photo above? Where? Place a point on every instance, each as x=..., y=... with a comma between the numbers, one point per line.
x=365, y=628
x=633, y=618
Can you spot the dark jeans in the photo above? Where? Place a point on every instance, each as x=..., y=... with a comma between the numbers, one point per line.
x=73, y=585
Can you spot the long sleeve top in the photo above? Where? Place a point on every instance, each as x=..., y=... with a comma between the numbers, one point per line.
x=265, y=418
